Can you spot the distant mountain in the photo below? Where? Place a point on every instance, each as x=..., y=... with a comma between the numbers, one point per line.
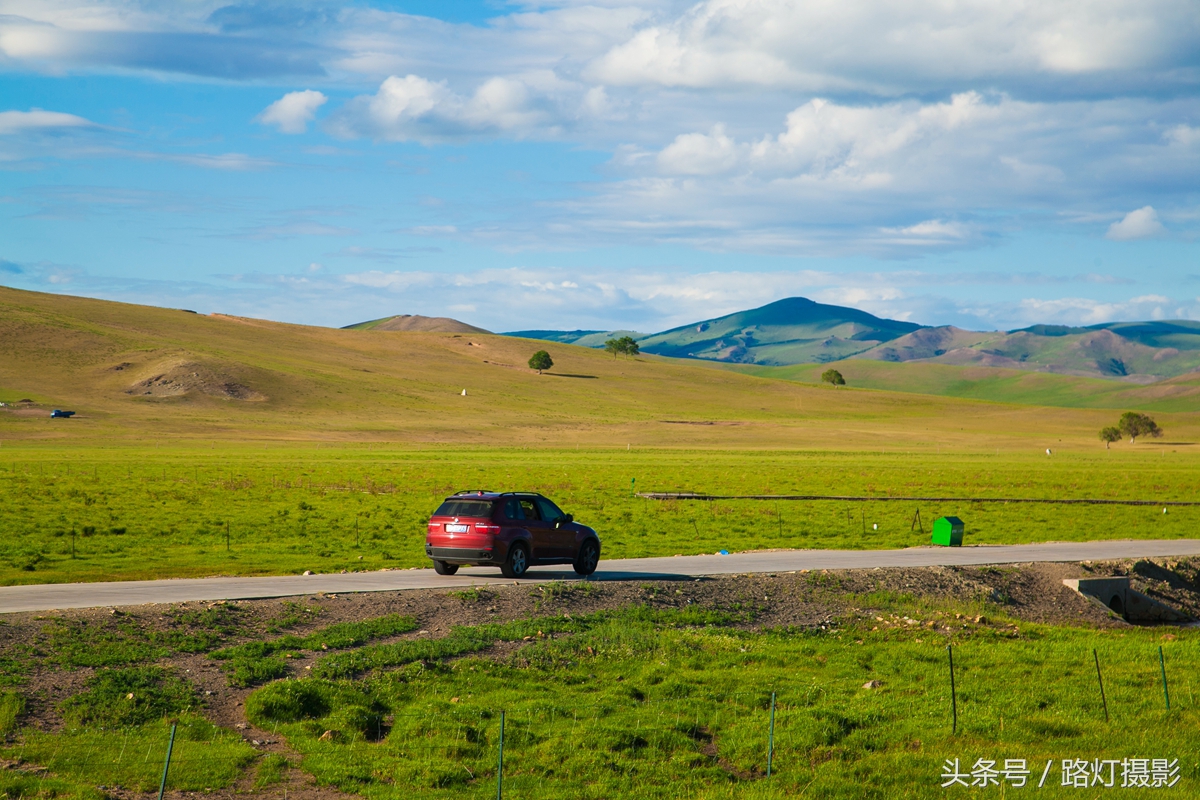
x=800, y=331
x=1135, y=351
x=415, y=322
x=581, y=338
x=791, y=331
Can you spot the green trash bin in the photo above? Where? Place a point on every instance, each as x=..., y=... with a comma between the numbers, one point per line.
x=948, y=531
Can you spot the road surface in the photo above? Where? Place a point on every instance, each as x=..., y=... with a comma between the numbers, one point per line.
x=127, y=593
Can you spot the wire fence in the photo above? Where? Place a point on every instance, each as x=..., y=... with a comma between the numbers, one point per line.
x=454, y=745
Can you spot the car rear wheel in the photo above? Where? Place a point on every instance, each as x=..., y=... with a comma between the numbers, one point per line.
x=443, y=568
x=517, y=562
x=588, y=557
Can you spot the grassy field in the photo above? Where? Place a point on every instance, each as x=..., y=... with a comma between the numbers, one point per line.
x=124, y=512
x=677, y=704
x=169, y=378
x=1180, y=394
x=658, y=699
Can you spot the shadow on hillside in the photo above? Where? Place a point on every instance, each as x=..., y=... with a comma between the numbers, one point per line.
x=567, y=375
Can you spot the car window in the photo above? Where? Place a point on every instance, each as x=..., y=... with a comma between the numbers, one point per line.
x=512, y=509
x=550, y=512
x=465, y=508
x=529, y=508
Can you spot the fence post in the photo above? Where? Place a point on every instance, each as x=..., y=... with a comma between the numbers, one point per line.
x=953, y=695
x=162, y=785
x=500, y=764
x=1100, y=680
x=771, y=737
x=1162, y=665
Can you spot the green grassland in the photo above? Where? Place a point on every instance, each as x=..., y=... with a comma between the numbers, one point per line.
x=140, y=512
x=676, y=704
x=1000, y=385
x=660, y=699
x=212, y=445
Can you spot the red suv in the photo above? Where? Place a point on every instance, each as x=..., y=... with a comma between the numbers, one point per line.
x=510, y=530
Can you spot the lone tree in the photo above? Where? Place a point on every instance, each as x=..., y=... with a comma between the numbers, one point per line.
x=1133, y=425
x=1109, y=435
x=834, y=377
x=624, y=346
x=540, y=360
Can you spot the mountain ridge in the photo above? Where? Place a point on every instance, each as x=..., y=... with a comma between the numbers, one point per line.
x=797, y=331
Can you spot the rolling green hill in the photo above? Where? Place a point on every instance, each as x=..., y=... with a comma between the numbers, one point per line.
x=998, y=384
x=151, y=374
x=1142, y=351
x=798, y=331
x=788, y=331
x=582, y=338
x=415, y=322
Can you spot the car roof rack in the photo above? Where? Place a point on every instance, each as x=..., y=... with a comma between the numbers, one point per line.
x=473, y=491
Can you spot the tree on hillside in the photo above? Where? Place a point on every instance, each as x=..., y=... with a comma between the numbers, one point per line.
x=540, y=360
x=1109, y=435
x=834, y=377
x=624, y=346
x=1133, y=425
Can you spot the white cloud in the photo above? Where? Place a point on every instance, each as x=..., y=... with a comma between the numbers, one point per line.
x=880, y=47
x=700, y=153
x=38, y=120
x=292, y=112
x=1086, y=311
x=414, y=108
x=1140, y=224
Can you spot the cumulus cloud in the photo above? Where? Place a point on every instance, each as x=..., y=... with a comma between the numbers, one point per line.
x=1086, y=311
x=1140, y=224
x=881, y=48
x=414, y=108
x=38, y=120
x=292, y=112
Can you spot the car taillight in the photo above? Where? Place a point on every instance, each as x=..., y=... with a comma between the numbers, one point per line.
x=486, y=527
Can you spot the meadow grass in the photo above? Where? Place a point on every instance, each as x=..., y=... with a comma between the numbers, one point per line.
x=676, y=704
x=256, y=662
x=78, y=760
x=133, y=513
x=995, y=384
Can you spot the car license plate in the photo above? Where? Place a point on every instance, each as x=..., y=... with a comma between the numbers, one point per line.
x=456, y=528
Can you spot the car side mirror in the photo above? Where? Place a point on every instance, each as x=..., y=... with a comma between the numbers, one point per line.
x=563, y=520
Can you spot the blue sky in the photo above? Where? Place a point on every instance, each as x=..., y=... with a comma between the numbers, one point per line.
x=609, y=164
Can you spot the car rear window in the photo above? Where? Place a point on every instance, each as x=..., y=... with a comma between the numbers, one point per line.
x=464, y=508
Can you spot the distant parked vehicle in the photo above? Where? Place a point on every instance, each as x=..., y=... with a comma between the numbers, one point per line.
x=509, y=530
x=63, y=414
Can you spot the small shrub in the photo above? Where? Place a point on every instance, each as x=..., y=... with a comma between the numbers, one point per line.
x=290, y=701
x=834, y=377
x=358, y=721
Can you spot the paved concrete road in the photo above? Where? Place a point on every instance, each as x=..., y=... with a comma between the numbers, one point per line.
x=127, y=593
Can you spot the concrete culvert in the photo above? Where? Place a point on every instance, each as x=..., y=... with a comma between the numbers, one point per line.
x=1116, y=605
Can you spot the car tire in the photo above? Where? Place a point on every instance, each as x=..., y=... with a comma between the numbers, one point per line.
x=587, y=558
x=517, y=562
x=443, y=568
